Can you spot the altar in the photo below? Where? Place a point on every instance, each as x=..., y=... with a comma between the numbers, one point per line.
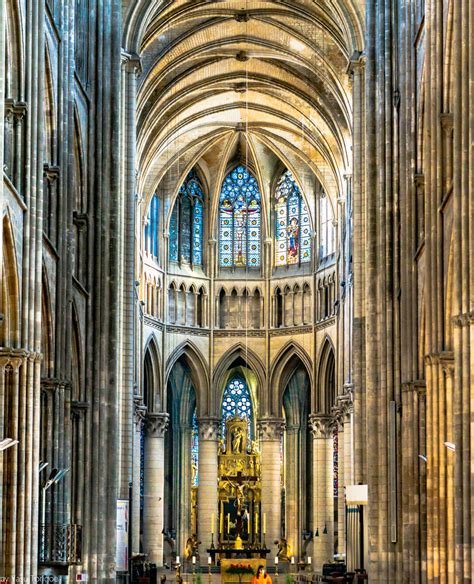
x=241, y=544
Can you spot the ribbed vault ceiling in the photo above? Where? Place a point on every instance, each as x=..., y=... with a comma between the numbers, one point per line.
x=273, y=71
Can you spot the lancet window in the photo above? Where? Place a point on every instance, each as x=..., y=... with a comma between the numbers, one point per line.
x=239, y=220
x=293, y=236
x=327, y=229
x=151, y=227
x=186, y=225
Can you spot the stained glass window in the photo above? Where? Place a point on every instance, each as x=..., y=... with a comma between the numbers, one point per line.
x=195, y=452
x=151, y=227
x=293, y=234
x=186, y=223
x=236, y=401
x=240, y=220
x=327, y=229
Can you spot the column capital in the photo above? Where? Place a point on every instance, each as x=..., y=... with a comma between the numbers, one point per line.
x=209, y=428
x=322, y=425
x=79, y=408
x=139, y=412
x=344, y=405
x=156, y=424
x=270, y=428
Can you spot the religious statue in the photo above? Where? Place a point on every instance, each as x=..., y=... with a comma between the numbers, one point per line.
x=192, y=547
x=237, y=441
x=293, y=233
x=282, y=553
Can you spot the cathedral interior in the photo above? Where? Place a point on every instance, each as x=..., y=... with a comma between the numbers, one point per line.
x=237, y=293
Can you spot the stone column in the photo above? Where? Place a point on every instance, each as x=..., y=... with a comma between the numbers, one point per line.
x=293, y=499
x=139, y=420
x=270, y=431
x=156, y=425
x=207, y=490
x=322, y=429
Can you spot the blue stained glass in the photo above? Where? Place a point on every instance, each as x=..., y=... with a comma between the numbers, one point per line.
x=197, y=232
x=195, y=451
x=185, y=230
x=239, y=220
x=174, y=234
x=186, y=226
x=151, y=227
x=236, y=401
x=292, y=227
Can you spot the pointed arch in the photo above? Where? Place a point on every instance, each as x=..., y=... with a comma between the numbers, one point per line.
x=151, y=392
x=326, y=377
x=290, y=358
x=194, y=362
x=10, y=298
x=47, y=346
x=237, y=355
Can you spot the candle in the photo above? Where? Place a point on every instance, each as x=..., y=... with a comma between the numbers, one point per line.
x=292, y=559
x=309, y=560
x=228, y=523
x=249, y=527
x=177, y=559
x=213, y=518
x=194, y=559
x=221, y=530
x=276, y=560
x=264, y=523
x=256, y=523
x=209, y=560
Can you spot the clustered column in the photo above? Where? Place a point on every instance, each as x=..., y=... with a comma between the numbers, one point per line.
x=270, y=432
x=156, y=425
x=208, y=476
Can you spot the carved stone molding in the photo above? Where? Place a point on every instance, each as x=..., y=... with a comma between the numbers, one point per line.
x=209, y=428
x=51, y=173
x=139, y=411
x=156, y=424
x=322, y=426
x=52, y=385
x=242, y=16
x=344, y=405
x=79, y=408
x=464, y=319
x=270, y=428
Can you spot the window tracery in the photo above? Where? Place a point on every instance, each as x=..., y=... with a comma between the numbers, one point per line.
x=239, y=220
x=186, y=224
x=293, y=237
x=237, y=401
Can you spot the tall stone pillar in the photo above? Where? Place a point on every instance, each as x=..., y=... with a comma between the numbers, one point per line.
x=139, y=421
x=207, y=490
x=270, y=431
x=156, y=425
x=322, y=429
x=293, y=498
